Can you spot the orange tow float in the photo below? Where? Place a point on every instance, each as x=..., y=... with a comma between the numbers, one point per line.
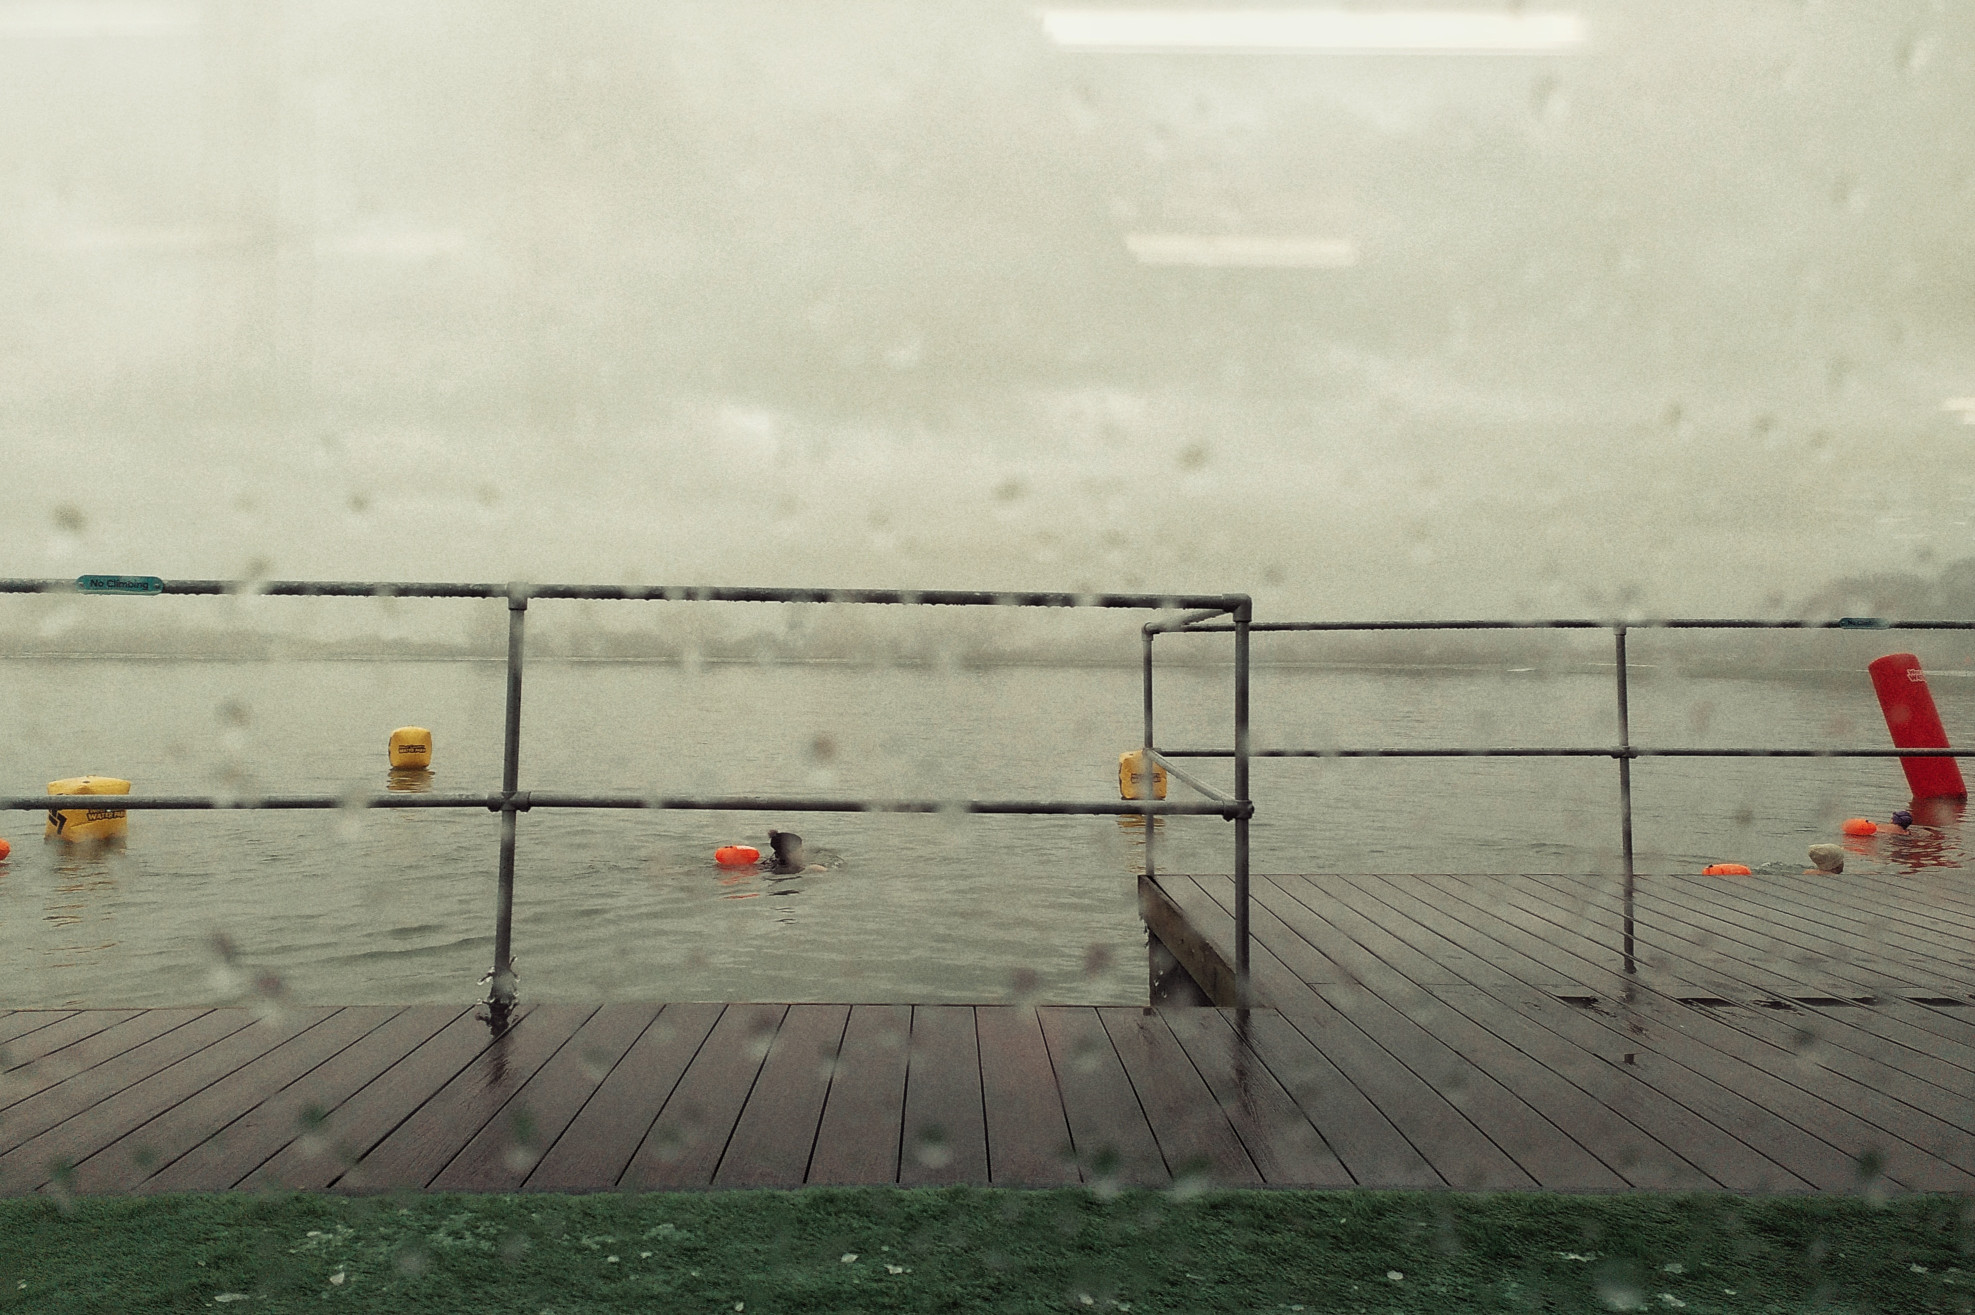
x=736, y=856
x=1726, y=870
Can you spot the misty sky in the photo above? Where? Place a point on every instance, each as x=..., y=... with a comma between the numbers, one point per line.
x=858, y=293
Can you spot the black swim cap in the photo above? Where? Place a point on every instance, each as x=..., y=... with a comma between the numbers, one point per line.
x=1902, y=818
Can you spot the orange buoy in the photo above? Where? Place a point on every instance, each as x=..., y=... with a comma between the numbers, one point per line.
x=736, y=856
x=1726, y=870
x=5, y=849
x=1860, y=826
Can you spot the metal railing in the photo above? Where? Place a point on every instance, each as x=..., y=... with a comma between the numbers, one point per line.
x=1624, y=751
x=512, y=800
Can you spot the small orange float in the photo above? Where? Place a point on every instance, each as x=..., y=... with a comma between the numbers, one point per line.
x=1860, y=826
x=5, y=849
x=1726, y=870
x=736, y=856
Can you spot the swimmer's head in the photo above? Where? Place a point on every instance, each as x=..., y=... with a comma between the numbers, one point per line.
x=1903, y=819
x=787, y=846
x=1827, y=858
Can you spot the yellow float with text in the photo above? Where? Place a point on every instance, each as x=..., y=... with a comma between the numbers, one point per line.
x=1133, y=779
x=411, y=746
x=81, y=824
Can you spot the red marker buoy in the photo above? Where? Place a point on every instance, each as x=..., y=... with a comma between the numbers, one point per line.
x=1916, y=724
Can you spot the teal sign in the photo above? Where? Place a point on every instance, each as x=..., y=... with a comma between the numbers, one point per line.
x=119, y=584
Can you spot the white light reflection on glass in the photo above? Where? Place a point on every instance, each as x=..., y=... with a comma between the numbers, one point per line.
x=1247, y=30
x=94, y=20
x=1237, y=251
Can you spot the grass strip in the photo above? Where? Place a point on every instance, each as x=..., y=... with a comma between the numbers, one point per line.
x=977, y=1249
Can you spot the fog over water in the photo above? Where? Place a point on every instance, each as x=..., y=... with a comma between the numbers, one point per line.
x=1669, y=317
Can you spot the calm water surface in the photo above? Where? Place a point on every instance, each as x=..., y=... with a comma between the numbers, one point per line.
x=397, y=906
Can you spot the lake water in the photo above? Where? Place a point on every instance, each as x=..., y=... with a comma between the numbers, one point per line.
x=398, y=906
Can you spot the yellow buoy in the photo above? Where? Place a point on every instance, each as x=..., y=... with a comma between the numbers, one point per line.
x=411, y=746
x=1132, y=776
x=78, y=824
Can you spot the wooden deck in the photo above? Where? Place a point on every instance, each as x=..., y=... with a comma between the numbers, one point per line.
x=582, y=1098
x=1792, y=1035
x=1795, y=1034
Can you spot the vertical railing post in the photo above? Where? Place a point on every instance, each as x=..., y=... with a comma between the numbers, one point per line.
x=1145, y=761
x=1244, y=615
x=1625, y=791
x=503, y=985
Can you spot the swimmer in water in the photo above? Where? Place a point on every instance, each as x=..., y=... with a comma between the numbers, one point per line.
x=788, y=854
x=1828, y=858
x=1903, y=820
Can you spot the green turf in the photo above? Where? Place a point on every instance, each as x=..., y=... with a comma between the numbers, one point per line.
x=987, y=1250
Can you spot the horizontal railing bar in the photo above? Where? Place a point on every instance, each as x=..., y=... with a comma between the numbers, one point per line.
x=201, y=803
x=1577, y=752
x=1208, y=604
x=1670, y=623
x=1044, y=807
x=1803, y=753
x=222, y=802
x=1185, y=779
x=1201, y=629
x=528, y=800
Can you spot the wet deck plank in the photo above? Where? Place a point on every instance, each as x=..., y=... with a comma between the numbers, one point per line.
x=1480, y=1013
x=1520, y=1105
x=1808, y=927
x=1113, y=1139
x=1626, y=1031
x=1280, y=1139
x=1028, y=1135
x=16, y=1023
x=592, y=1153
x=124, y=1165
x=686, y=1141
x=1643, y=1072
x=1919, y=1043
x=71, y=1095
x=352, y=1128
x=93, y=1134
x=945, y=1128
x=1434, y=1121
x=1672, y=1148
x=1744, y=1088
x=79, y=1043
x=501, y=1154
x=1187, y=1121
x=864, y=1113
x=234, y=1156
x=1752, y=1057
x=776, y=1134
x=414, y=1151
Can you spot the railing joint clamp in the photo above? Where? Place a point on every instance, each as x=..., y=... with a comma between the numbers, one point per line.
x=513, y=802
